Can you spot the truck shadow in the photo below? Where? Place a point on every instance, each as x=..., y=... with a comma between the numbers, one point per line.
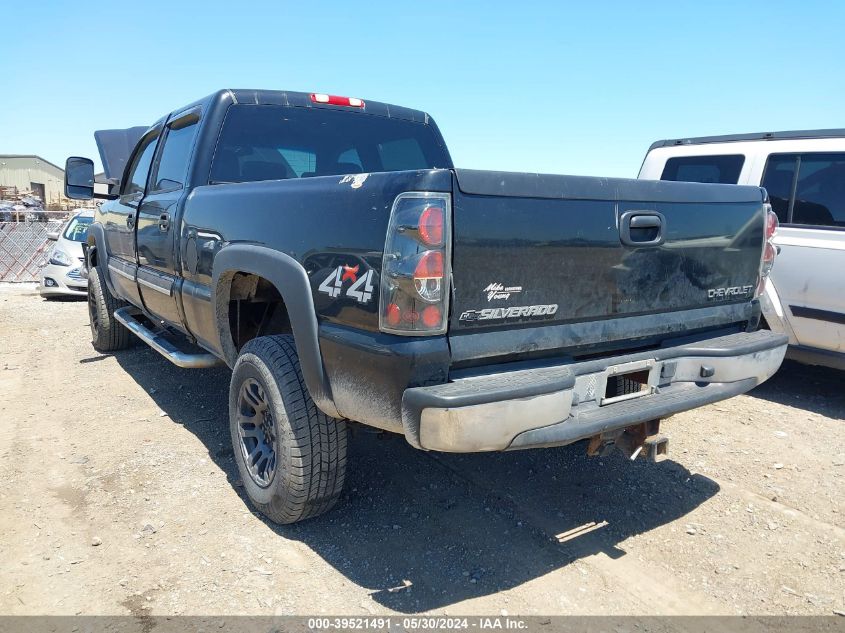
x=455, y=527
x=808, y=387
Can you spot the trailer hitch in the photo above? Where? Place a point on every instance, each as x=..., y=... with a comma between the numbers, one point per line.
x=641, y=441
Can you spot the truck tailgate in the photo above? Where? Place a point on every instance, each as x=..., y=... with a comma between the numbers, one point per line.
x=610, y=259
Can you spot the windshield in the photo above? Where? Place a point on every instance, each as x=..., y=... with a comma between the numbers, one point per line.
x=277, y=142
x=77, y=229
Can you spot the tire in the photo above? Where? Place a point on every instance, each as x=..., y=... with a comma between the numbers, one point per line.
x=270, y=407
x=107, y=334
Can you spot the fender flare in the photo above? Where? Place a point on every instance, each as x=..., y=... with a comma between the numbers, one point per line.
x=97, y=242
x=291, y=280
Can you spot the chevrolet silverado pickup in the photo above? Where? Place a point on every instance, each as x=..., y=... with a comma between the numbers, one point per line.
x=328, y=251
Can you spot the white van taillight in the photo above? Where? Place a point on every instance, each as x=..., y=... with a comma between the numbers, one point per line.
x=415, y=270
x=769, y=249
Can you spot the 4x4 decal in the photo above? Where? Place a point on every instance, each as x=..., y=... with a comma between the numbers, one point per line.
x=361, y=289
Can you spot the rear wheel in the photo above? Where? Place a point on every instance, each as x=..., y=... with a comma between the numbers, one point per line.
x=107, y=334
x=290, y=455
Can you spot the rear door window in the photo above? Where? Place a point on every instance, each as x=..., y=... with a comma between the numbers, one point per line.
x=815, y=194
x=140, y=169
x=723, y=169
x=820, y=194
x=778, y=180
x=173, y=162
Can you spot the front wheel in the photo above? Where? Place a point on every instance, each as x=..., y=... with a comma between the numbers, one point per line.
x=107, y=334
x=290, y=455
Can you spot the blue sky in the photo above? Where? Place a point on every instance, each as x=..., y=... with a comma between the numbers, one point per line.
x=573, y=88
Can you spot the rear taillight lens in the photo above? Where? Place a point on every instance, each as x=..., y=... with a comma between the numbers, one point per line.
x=416, y=269
x=431, y=226
x=771, y=223
x=769, y=254
x=428, y=276
x=767, y=261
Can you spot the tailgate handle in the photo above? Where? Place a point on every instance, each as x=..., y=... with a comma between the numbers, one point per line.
x=642, y=228
x=645, y=222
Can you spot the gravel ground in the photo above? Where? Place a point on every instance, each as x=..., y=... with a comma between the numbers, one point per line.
x=119, y=494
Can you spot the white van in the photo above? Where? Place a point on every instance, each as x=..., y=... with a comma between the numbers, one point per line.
x=804, y=174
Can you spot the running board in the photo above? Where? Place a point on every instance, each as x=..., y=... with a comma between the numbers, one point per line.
x=202, y=360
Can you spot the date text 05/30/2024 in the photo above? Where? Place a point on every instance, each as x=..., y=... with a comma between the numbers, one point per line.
x=417, y=623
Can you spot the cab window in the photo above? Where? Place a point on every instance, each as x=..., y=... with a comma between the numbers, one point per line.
x=300, y=161
x=270, y=142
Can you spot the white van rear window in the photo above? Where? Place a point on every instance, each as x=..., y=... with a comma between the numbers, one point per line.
x=713, y=169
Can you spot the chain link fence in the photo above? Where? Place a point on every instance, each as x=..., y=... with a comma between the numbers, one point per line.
x=24, y=249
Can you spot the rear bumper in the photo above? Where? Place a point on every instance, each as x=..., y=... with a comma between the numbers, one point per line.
x=554, y=406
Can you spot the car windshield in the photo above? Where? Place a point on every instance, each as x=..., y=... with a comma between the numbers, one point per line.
x=77, y=229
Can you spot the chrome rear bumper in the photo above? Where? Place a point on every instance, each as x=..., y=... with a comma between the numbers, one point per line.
x=554, y=406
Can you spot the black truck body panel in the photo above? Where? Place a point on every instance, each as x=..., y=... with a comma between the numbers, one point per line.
x=369, y=371
x=547, y=240
x=349, y=228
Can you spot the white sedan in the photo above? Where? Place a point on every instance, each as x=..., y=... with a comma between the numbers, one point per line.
x=63, y=274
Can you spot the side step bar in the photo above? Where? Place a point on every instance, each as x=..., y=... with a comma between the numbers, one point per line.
x=201, y=360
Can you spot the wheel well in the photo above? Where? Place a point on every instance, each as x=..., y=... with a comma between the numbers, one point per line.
x=256, y=308
x=92, y=256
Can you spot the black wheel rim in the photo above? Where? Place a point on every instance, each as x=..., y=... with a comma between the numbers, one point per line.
x=257, y=432
x=93, y=313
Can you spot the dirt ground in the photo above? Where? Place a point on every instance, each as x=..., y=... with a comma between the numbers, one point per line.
x=119, y=494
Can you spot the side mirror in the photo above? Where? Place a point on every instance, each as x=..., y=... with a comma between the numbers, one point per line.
x=79, y=178
x=53, y=236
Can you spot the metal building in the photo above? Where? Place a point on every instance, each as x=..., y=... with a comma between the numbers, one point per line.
x=33, y=173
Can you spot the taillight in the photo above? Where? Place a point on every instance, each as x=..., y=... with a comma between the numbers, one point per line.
x=351, y=102
x=771, y=223
x=767, y=260
x=431, y=226
x=428, y=276
x=415, y=269
x=769, y=254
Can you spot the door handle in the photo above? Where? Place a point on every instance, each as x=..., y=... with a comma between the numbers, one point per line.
x=642, y=228
x=164, y=222
x=130, y=221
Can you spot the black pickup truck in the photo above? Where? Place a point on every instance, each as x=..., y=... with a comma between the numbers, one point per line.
x=327, y=250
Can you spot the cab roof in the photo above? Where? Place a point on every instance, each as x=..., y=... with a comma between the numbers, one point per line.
x=115, y=146
x=303, y=99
